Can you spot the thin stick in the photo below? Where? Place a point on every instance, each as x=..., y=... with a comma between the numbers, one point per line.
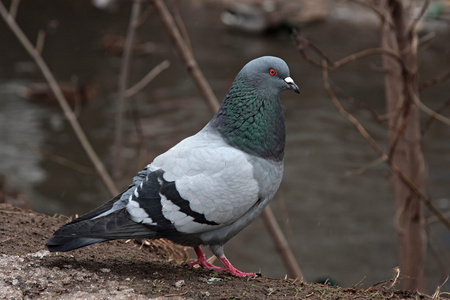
x=147, y=79
x=123, y=78
x=431, y=119
x=429, y=111
x=180, y=23
x=186, y=55
x=282, y=244
x=416, y=20
x=13, y=8
x=434, y=81
x=99, y=167
x=303, y=44
x=40, y=41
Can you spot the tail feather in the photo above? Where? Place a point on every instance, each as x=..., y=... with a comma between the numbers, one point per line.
x=99, y=210
x=81, y=233
x=63, y=243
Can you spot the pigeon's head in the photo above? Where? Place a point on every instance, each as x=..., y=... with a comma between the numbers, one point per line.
x=269, y=74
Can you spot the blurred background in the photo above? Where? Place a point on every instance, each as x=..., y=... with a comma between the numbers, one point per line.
x=335, y=204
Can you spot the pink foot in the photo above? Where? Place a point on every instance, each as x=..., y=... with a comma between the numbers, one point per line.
x=202, y=262
x=227, y=266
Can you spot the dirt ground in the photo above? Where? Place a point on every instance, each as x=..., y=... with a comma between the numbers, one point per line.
x=129, y=270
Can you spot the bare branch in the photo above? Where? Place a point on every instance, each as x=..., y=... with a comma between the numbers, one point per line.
x=281, y=243
x=360, y=103
x=429, y=111
x=425, y=39
x=379, y=151
x=61, y=160
x=123, y=78
x=40, y=41
x=364, y=168
x=430, y=120
x=71, y=118
x=186, y=55
x=144, y=16
x=180, y=23
x=349, y=116
x=434, y=81
x=147, y=79
x=364, y=53
x=404, y=110
x=13, y=8
x=385, y=18
x=416, y=20
x=303, y=44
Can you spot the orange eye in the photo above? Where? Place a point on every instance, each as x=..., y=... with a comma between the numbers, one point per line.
x=272, y=72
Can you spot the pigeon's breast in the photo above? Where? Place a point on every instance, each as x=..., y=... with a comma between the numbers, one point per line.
x=215, y=178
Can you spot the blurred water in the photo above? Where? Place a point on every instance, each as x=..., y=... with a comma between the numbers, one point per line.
x=340, y=223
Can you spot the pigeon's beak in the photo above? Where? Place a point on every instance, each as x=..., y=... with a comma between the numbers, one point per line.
x=291, y=85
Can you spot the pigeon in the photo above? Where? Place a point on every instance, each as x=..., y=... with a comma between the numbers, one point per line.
x=208, y=187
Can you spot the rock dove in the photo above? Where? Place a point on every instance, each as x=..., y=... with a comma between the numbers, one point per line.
x=208, y=187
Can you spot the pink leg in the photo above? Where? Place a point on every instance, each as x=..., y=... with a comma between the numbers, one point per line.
x=227, y=266
x=202, y=262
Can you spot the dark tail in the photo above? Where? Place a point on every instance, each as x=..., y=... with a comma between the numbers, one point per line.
x=82, y=232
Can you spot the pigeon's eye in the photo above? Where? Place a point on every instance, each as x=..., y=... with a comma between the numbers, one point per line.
x=272, y=72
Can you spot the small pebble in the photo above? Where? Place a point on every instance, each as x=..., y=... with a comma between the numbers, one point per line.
x=179, y=283
x=213, y=280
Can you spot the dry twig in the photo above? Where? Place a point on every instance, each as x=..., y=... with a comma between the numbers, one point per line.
x=434, y=81
x=123, y=79
x=70, y=116
x=303, y=44
x=186, y=55
x=147, y=79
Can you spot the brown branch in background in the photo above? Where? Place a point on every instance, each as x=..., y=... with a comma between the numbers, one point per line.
x=427, y=38
x=358, y=102
x=429, y=111
x=147, y=79
x=303, y=44
x=405, y=111
x=380, y=152
x=375, y=10
x=186, y=55
x=282, y=244
x=349, y=116
x=40, y=41
x=144, y=16
x=13, y=8
x=123, y=81
x=213, y=104
x=180, y=23
x=71, y=118
x=434, y=81
x=430, y=120
x=364, y=53
x=61, y=160
x=415, y=22
x=140, y=149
